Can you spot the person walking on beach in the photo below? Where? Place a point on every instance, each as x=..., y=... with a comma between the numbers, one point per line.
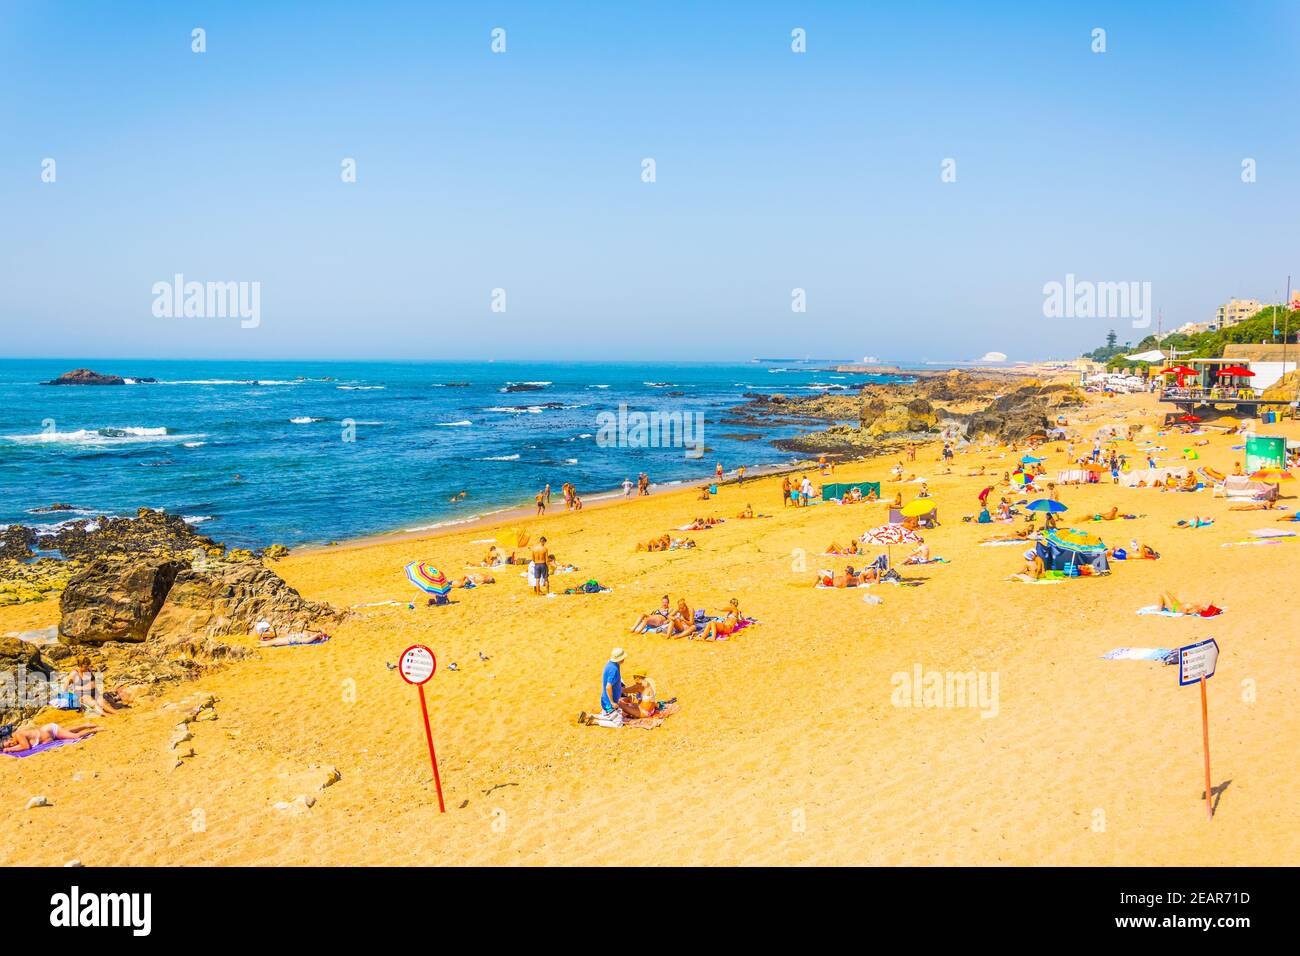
x=541, y=503
x=547, y=492
x=806, y=490
x=740, y=473
x=540, y=569
x=627, y=487
x=785, y=492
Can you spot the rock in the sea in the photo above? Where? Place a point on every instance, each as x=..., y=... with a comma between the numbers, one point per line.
x=115, y=600
x=275, y=552
x=222, y=599
x=84, y=376
x=16, y=542
x=149, y=532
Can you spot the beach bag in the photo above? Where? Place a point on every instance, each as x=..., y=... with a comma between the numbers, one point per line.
x=591, y=587
x=713, y=489
x=1120, y=554
x=700, y=616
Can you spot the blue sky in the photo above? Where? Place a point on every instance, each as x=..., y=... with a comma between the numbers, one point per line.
x=522, y=171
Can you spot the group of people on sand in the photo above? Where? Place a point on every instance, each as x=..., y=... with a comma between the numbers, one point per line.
x=80, y=691
x=796, y=495
x=619, y=701
x=665, y=542
x=680, y=621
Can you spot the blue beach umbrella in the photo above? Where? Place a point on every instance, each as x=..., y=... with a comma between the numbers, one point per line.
x=1031, y=460
x=1047, y=505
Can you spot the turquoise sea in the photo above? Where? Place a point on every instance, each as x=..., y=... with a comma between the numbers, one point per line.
x=298, y=452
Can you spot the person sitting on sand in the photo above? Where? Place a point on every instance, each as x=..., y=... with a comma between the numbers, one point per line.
x=747, y=513
x=28, y=735
x=704, y=493
x=682, y=620
x=871, y=495
x=81, y=684
x=718, y=629
x=657, y=618
x=920, y=556
x=1033, y=569
x=493, y=559
x=898, y=501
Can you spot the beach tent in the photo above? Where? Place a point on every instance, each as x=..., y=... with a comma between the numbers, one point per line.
x=1067, y=548
x=840, y=489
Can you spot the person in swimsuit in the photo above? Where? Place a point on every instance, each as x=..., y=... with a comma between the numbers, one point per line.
x=541, y=567
x=1170, y=603
x=654, y=618
x=682, y=621
x=716, y=629
x=28, y=735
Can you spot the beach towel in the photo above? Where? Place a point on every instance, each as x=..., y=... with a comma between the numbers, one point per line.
x=1166, y=612
x=384, y=604
x=666, y=710
x=1165, y=654
x=48, y=745
x=1273, y=533
x=998, y=544
x=304, y=640
x=1238, y=544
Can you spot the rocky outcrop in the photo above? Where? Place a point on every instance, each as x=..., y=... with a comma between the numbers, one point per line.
x=115, y=600
x=23, y=581
x=149, y=532
x=16, y=542
x=216, y=599
x=84, y=376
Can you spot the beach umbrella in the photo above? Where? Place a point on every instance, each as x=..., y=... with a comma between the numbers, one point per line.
x=1022, y=478
x=1272, y=475
x=1047, y=505
x=1236, y=370
x=889, y=535
x=1031, y=460
x=514, y=539
x=428, y=578
x=917, y=507
x=1189, y=418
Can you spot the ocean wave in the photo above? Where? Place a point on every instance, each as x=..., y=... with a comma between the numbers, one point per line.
x=598, y=386
x=360, y=388
x=570, y=461
x=499, y=458
x=516, y=409
x=304, y=420
x=99, y=436
x=227, y=381
x=461, y=424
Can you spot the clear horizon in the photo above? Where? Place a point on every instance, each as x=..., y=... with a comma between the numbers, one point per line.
x=522, y=170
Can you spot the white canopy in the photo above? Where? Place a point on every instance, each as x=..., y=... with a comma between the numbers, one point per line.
x=1155, y=355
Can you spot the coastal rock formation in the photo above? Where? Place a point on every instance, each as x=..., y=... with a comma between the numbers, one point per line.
x=84, y=376
x=149, y=532
x=22, y=582
x=16, y=542
x=115, y=600
x=218, y=599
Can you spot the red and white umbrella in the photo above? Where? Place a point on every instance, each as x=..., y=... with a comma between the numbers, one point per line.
x=889, y=535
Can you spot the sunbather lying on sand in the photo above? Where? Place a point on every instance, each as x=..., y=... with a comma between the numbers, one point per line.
x=474, y=579
x=28, y=735
x=291, y=640
x=1170, y=603
x=852, y=548
x=1196, y=522
x=1254, y=506
x=1022, y=535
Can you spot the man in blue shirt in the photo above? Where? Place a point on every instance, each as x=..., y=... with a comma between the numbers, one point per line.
x=611, y=692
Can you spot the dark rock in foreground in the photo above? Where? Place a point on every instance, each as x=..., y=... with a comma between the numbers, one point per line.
x=115, y=601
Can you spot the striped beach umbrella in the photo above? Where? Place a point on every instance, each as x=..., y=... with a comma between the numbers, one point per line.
x=1272, y=475
x=428, y=578
x=889, y=535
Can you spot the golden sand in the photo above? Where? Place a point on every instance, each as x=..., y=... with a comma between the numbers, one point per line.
x=788, y=747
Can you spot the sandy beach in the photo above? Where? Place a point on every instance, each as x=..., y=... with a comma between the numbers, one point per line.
x=788, y=747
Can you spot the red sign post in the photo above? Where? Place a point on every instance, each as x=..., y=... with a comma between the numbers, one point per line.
x=417, y=666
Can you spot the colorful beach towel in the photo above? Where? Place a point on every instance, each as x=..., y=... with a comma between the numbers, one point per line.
x=48, y=745
x=666, y=710
x=1165, y=654
x=1166, y=612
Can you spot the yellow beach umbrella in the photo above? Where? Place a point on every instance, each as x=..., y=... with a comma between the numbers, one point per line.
x=917, y=507
x=514, y=539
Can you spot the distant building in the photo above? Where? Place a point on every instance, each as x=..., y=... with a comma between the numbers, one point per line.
x=1235, y=311
x=1268, y=362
